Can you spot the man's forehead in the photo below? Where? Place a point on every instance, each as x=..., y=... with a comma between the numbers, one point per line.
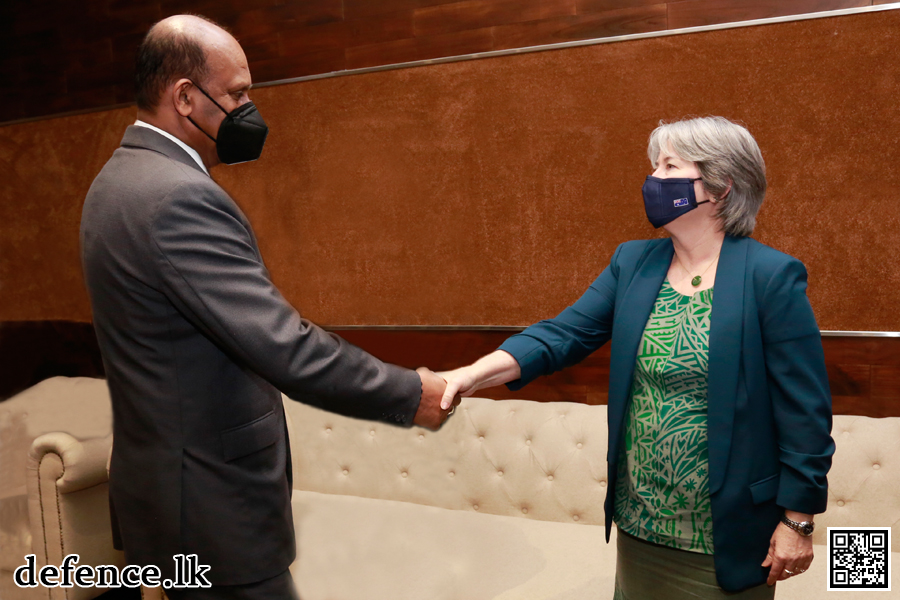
x=228, y=66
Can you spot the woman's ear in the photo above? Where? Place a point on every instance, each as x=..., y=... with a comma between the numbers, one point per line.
x=721, y=198
x=726, y=192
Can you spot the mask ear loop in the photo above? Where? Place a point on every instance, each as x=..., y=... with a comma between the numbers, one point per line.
x=215, y=141
x=210, y=97
x=705, y=201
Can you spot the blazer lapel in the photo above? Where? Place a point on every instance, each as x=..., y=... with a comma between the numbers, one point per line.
x=633, y=310
x=143, y=137
x=725, y=342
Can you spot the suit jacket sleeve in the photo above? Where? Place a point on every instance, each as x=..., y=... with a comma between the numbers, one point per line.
x=798, y=386
x=567, y=339
x=212, y=272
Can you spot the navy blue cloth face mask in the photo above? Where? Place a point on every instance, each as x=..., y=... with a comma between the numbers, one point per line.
x=667, y=199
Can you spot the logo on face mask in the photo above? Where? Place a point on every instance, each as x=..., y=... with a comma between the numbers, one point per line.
x=241, y=135
x=667, y=199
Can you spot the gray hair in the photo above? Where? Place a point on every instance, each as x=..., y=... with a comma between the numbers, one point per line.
x=725, y=153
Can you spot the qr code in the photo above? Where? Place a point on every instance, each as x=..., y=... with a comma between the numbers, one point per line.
x=859, y=558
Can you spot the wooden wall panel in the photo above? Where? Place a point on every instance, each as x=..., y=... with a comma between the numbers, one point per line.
x=864, y=373
x=694, y=13
x=62, y=56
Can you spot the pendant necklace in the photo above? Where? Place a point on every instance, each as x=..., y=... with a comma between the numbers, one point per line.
x=698, y=279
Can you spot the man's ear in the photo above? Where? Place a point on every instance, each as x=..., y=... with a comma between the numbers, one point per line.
x=180, y=97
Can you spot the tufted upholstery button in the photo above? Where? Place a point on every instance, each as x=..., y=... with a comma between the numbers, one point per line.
x=481, y=437
x=372, y=432
x=421, y=436
x=876, y=466
x=549, y=477
x=328, y=430
x=846, y=433
x=840, y=502
x=602, y=483
x=575, y=517
x=500, y=472
x=579, y=445
x=475, y=506
x=524, y=510
x=346, y=472
x=452, y=473
x=404, y=474
x=527, y=441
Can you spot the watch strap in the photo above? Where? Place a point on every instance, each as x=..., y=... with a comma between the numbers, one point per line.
x=799, y=527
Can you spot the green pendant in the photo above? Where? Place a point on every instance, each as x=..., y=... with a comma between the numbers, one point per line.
x=696, y=281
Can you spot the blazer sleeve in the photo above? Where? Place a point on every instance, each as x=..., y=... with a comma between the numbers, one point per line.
x=798, y=386
x=567, y=339
x=212, y=272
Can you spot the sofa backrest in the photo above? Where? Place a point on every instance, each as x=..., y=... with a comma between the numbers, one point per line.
x=536, y=460
x=547, y=461
x=864, y=481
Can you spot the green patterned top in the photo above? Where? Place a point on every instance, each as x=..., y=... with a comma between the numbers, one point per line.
x=662, y=492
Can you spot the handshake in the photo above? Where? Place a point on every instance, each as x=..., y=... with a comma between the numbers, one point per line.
x=443, y=391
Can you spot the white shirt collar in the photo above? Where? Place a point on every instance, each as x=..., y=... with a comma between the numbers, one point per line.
x=185, y=147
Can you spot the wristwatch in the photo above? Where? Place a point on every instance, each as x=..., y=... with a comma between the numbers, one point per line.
x=804, y=528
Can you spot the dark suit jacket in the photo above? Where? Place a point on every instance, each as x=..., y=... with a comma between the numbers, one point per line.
x=769, y=406
x=197, y=342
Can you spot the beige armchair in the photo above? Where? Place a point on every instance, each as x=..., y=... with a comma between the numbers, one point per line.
x=53, y=485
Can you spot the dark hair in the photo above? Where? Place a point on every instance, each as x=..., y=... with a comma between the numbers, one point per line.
x=164, y=57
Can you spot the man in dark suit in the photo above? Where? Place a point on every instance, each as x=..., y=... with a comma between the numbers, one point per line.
x=196, y=340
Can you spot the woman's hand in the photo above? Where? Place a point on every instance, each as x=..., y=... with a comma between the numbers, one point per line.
x=789, y=552
x=493, y=369
x=460, y=381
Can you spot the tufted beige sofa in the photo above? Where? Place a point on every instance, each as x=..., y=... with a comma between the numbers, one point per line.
x=504, y=502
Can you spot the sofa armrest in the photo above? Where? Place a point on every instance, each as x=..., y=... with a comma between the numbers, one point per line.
x=82, y=464
x=68, y=505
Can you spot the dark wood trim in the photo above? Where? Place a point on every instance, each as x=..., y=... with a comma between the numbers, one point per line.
x=864, y=372
x=31, y=351
x=80, y=59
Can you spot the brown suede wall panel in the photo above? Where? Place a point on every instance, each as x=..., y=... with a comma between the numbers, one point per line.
x=46, y=168
x=494, y=191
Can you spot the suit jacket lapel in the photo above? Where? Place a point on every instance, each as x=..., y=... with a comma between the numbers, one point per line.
x=633, y=310
x=142, y=137
x=725, y=342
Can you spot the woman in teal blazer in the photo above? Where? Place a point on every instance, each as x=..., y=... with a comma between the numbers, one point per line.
x=719, y=406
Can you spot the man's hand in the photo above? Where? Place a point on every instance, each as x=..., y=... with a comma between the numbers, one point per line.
x=789, y=552
x=430, y=413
